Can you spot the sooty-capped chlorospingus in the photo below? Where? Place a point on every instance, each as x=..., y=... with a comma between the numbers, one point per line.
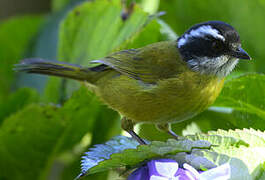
x=161, y=83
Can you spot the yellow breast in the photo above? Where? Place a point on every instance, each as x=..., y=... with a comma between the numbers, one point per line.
x=171, y=100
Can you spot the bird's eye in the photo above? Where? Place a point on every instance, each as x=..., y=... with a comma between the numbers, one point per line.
x=217, y=46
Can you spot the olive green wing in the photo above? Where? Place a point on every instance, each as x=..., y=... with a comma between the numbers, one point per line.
x=149, y=64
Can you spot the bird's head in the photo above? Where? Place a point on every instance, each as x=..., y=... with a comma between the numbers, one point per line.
x=212, y=47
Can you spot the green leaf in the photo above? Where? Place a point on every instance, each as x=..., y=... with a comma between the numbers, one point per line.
x=242, y=149
x=143, y=37
x=70, y=171
x=252, y=155
x=16, y=35
x=167, y=31
x=45, y=46
x=150, y=6
x=123, y=151
x=59, y=4
x=259, y=172
x=27, y=142
x=103, y=151
x=254, y=138
x=155, y=31
x=239, y=169
x=218, y=140
x=238, y=94
x=191, y=158
x=80, y=119
x=17, y=101
x=94, y=29
x=31, y=139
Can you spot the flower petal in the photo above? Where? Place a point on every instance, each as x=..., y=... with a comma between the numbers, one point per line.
x=222, y=172
x=139, y=174
x=163, y=167
x=183, y=175
x=167, y=169
x=191, y=172
x=154, y=177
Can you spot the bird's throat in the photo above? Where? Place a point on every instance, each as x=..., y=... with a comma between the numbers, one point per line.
x=218, y=66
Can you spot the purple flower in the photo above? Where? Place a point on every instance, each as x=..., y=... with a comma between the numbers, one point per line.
x=168, y=169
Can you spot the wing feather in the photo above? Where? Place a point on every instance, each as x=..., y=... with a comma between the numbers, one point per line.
x=149, y=64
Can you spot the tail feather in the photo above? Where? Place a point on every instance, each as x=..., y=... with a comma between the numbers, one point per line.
x=55, y=68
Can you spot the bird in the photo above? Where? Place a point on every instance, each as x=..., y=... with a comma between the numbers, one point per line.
x=161, y=83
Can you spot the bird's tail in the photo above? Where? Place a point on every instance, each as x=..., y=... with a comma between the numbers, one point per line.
x=56, y=68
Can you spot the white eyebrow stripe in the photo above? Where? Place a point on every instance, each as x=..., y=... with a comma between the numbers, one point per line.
x=200, y=32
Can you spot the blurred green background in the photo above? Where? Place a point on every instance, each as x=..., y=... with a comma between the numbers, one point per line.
x=47, y=123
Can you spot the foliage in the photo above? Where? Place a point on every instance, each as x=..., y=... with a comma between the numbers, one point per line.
x=234, y=147
x=41, y=132
x=16, y=35
x=123, y=151
x=52, y=122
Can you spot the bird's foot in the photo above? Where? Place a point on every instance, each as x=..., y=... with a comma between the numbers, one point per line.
x=127, y=125
x=174, y=135
x=136, y=137
x=167, y=128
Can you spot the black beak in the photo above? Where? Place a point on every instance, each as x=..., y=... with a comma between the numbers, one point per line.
x=240, y=54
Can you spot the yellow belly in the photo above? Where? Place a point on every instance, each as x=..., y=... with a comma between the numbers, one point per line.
x=171, y=100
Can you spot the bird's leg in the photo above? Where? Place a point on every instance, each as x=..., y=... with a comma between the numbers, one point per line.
x=127, y=125
x=167, y=128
